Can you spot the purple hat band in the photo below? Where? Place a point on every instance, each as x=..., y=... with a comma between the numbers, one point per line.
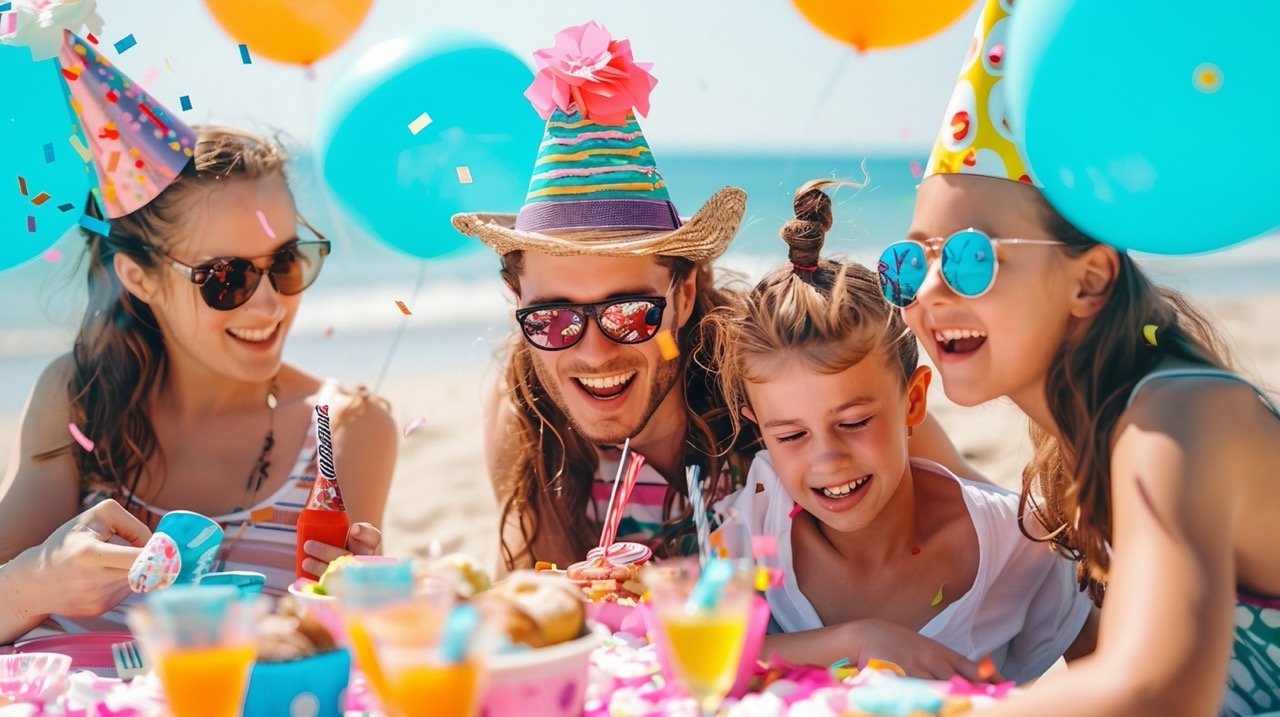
x=607, y=214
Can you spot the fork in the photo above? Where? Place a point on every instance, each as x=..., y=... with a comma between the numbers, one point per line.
x=128, y=659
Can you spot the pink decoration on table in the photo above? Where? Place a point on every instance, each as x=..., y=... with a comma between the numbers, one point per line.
x=590, y=73
x=962, y=687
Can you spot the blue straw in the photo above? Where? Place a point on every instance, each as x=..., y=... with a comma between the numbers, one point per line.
x=455, y=638
x=711, y=584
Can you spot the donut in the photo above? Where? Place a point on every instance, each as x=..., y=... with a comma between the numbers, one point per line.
x=540, y=609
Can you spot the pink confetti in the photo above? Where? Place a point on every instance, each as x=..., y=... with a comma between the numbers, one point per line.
x=795, y=510
x=764, y=546
x=53, y=256
x=916, y=170
x=414, y=425
x=84, y=442
x=262, y=219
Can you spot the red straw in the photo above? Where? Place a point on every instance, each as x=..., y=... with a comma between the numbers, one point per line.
x=624, y=496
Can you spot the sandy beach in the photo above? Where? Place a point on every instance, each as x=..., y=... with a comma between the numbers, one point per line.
x=441, y=491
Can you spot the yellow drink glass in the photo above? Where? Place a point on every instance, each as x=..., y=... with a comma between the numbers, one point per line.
x=703, y=637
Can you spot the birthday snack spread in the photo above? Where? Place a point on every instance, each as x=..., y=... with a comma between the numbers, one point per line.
x=612, y=575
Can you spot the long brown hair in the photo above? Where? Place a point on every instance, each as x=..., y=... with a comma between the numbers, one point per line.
x=829, y=314
x=551, y=475
x=119, y=354
x=1096, y=369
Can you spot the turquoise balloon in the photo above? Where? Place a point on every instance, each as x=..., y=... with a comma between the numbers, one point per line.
x=402, y=187
x=1152, y=124
x=36, y=113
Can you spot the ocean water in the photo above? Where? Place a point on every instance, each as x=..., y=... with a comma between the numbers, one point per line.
x=350, y=327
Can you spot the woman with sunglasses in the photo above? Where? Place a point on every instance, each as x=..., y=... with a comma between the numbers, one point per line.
x=177, y=379
x=1154, y=463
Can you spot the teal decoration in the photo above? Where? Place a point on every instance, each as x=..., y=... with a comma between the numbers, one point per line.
x=402, y=184
x=36, y=114
x=1151, y=123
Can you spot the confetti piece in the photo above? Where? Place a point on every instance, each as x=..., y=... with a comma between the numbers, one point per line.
x=91, y=38
x=403, y=309
x=262, y=219
x=937, y=599
x=543, y=565
x=125, y=43
x=53, y=256
x=414, y=425
x=842, y=662
x=915, y=551
x=917, y=171
x=48, y=153
x=464, y=175
x=4, y=7
x=420, y=123
x=66, y=207
x=328, y=332
x=764, y=545
x=84, y=442
x=244, y=54
x=1149, y=333
x=795, y=510
x=185, y=101
x=31, y=224
x=762, y=579
x=40, y=198
x=168, y=65
x=986, y=668
x=22, y=185
x=113, y=161
x=142, y=107
x=667, y=345
x=95, y=225
x=78, y=145
x=1207, y=78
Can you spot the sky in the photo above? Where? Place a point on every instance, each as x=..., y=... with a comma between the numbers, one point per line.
x=733, y=75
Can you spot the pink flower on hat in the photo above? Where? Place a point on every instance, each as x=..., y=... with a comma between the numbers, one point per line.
x=590, y=72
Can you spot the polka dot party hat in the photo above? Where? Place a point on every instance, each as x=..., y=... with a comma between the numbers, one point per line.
x=975, y=137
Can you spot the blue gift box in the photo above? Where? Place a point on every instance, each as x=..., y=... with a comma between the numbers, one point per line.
x=314, y=686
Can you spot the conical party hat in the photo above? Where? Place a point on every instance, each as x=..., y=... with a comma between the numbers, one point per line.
x=975, y=137
x=136, y=145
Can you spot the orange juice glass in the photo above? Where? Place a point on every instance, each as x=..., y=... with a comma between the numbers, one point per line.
x=408, y=672
x=199, y=639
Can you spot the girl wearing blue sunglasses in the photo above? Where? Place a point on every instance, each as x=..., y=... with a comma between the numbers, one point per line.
x=1155, y=464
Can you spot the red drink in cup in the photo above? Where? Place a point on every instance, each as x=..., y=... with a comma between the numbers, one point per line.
x=325, y=516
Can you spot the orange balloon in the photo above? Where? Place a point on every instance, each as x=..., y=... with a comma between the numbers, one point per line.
x=298, y=32
x=868, y=24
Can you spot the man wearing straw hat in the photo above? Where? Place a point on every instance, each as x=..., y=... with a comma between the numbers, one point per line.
x=600, y=264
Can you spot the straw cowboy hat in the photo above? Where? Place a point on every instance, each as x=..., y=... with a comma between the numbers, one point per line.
x=596, y=188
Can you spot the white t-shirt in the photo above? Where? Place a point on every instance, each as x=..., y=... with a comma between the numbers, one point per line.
x=1024, y=608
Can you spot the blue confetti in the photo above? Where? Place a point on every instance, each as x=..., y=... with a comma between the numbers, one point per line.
x=95, y=225
x=244, y=54
x=48, y=153
x=125, y=43
x=66, y=207
x=5, y=7
x=185, y=101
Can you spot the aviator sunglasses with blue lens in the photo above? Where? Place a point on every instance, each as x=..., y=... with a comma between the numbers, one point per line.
x=968, y=264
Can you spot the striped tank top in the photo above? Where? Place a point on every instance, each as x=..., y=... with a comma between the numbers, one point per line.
x=261, y=538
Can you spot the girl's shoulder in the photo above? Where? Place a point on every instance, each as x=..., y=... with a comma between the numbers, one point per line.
x=355, y=410
x=935, y=482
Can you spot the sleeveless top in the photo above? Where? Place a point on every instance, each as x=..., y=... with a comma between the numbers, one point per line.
x=261, y=538
x=1253, y=676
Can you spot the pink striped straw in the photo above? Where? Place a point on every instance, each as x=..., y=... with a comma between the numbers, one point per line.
x=624, y=497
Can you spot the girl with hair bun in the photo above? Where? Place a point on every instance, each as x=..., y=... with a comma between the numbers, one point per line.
x=883, y=556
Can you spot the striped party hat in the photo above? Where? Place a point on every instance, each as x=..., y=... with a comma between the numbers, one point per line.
x=596, y=188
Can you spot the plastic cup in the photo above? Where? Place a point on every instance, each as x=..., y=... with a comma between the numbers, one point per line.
x=200, y=641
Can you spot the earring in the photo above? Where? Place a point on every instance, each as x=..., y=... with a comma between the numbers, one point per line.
x=910, y=430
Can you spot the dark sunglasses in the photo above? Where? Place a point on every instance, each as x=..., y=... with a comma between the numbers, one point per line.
x=628, y=320
x=227, y=283
x=968, y=264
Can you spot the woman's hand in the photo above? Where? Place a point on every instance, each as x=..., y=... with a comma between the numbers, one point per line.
x=79, y=572
x=362, y=539
x=918, y=655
